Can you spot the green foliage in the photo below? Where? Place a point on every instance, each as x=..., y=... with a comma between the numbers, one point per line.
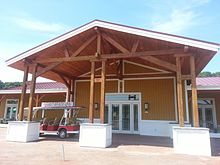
x=7, y=85
x=209, y=74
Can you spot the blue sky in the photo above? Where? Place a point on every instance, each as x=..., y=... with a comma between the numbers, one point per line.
x=24, y=24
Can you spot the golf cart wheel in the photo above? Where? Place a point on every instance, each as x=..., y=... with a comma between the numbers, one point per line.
x=62, y=133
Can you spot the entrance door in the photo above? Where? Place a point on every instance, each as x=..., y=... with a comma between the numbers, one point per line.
x=11, y=109
x=124, y=117
x=115, y=115
x=207, y=117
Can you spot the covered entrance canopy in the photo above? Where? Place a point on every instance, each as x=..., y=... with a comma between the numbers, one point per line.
x=96, y=51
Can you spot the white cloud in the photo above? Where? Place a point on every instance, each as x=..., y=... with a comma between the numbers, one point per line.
x=37, y=25
x=176, y=16
x=8, y=74
x=178, y=21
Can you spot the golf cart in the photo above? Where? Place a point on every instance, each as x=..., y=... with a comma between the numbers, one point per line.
x=68, y=124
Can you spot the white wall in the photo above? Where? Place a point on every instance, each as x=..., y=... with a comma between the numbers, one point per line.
x=155, y=127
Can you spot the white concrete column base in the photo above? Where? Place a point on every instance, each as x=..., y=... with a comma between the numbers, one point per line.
x=95, y=135
x=192, y=141
x=171, y=125
x=23, y=131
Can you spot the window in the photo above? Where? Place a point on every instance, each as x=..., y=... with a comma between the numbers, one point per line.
x=11, y=108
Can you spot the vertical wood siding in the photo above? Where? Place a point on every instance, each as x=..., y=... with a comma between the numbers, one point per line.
x=82, y=95
x=159, y=93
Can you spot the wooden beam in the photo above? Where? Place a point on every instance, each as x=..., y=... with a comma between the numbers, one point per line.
x=68, y=93
x=63, y=59
x=110, y=56
x=186, y=77
x=65, y=81
x=48, y=68
x=72, y=90
x=99, y=44
x=140, y=54
x=194, y=92
x=120, y=69
x=23, y=93
x=2, y=98
x=83, y=46
x=179, y=93
x=115, y=43
x=135, y=46
x=66, y=52
x=182, y=54
x=38, y=99
x=55, y=71
x=133, y=76
x=92, y=93
x=32, y=91
x=98, y=80
x=102, y=99
x=159, y=62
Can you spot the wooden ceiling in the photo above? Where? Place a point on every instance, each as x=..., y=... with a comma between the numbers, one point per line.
x=112, y=43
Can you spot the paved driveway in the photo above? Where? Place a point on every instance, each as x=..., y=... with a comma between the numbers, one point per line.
x=132, y=150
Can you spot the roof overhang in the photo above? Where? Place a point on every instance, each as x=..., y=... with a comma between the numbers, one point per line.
x=39, y=91
x=153, y=49
x=206, y=88
x=122, y=28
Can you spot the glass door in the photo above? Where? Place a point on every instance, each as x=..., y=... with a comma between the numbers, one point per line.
x=206, y=118
x=136, y=118
x=126, y=117
x=209, y=118
x=106, y=116
x=115, y=117
x=207, y=113
x=11, y=109
x=201, y=118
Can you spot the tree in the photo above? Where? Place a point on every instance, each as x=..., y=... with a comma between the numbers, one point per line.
x=209, y=74
x=6, y=85
x=217, y=74
x=205, y=74
x=1, y=84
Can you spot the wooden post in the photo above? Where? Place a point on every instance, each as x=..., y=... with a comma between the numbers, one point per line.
x=179, y=92
x=68, y=93
x=23, y=93
x=72, y=90
x=32, y=91
x=194, y=92
x=102, y=100
x=120, y=75
x=92, y=94
x=37, y=100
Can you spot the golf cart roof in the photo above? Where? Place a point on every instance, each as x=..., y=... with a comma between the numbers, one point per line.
x=57, y=108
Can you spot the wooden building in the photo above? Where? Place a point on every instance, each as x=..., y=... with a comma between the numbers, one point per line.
x=133, y=78
x=208, y=103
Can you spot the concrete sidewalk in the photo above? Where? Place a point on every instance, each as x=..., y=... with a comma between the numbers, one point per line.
x=126, y=150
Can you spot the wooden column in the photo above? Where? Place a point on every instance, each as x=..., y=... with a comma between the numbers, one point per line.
x=92, y=94
x=32, y=91
x=37, y=100
x=23, y=93
x=120, y=75
x=194, y=93
x=179, y=92
x=102, y=99
x=72, y=90
x=68, y=91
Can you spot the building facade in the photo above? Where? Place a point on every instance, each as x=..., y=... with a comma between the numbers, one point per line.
x=132, y=78
x=145, y=106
